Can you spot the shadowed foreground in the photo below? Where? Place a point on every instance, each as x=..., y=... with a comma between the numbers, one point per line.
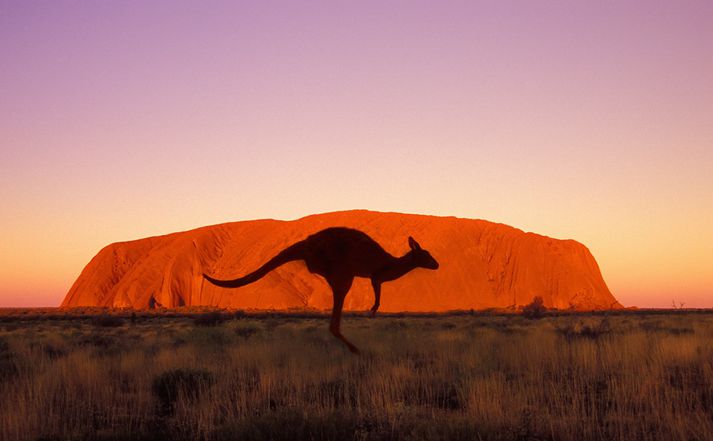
x=232, y=376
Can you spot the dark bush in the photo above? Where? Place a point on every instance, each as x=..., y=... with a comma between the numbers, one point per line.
x=536, y=309
x=209, y=319
x=98, y=340
x=188, y=383
x=53, y=351
x=8, y=367
x=581, y=330
x=595, y=331
x=295, y=424
x=108, y=321
x=658, y=326
x=245, y=331
x=448, y=397
x=435, y=393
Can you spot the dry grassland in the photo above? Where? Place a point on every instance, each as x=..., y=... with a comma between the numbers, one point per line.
x=628, y=376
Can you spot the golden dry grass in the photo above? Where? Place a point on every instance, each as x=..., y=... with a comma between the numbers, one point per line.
x=569, y=377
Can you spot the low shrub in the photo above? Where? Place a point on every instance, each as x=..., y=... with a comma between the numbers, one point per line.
x=108, y=321
x=213, y=318
x=585, y=330
x=8, y=367
x=187, y=383
x=535, y=309
x=246, y=331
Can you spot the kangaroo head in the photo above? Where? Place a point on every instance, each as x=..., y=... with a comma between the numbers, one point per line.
x=421, y=257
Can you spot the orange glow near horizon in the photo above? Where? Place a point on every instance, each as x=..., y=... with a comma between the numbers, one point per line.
x=590, y=122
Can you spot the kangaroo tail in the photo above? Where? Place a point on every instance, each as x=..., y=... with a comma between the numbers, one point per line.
x=293, y=252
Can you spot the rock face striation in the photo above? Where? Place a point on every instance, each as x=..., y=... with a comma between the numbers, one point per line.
x=482, y=265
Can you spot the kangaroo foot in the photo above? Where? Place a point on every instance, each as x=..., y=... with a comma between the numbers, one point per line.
x=353, y=349
x=373, y=310
x=347, y=343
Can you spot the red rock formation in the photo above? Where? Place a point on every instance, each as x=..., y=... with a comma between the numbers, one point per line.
x=482, y=265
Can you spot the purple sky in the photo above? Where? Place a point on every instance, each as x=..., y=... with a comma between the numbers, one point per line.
x=584, y=120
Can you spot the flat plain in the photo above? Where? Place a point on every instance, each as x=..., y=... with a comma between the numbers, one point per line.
x=231, y=375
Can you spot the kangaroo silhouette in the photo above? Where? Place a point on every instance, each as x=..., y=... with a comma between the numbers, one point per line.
x=339, y=254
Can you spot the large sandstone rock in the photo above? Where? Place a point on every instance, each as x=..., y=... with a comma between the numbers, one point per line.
x=482, y=265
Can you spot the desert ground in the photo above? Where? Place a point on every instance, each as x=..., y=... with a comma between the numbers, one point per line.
x=232, y=375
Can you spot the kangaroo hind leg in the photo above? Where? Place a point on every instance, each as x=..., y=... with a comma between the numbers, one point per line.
x=377, y=296
x=340, y=287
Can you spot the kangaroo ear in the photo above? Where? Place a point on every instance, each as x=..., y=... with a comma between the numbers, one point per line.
x=413, y=244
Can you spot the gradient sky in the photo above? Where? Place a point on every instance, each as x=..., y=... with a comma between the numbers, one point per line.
x=584, y=120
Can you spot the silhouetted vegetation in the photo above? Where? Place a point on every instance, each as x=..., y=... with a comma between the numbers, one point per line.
x=586, y=330
x=535, y=309
x=271, y=376
x=8, y=367
x=246, y=331
x=108, y=321
x=187, y=384
x=212, y=318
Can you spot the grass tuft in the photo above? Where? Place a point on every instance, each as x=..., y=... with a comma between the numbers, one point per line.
x=186, y=384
